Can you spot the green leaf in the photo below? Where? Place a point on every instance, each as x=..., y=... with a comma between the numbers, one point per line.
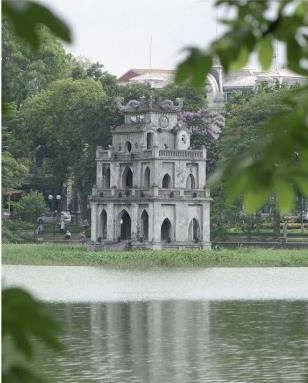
x=241, y=59
x=23, y=317
x=16, y=374
x=285, y=196
x=265, y=48
x=302, y=184
x=302, y=9
x=27, y=16
x=254, y=200
x=195, y=67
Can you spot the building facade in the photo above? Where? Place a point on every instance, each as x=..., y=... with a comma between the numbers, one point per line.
x=218, y=85
x=150, y=186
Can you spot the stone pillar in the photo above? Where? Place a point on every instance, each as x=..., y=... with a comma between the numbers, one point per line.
x=181, y=222
x=155, y=190
x=114, y=174
x=156, y=225
x=137, y=175
x=179, y=176
x=110, y=222
x=93, y=221
x=151, y=222
x=201, y=174
x=134, y=221
x=206, y=224
x=99, y=174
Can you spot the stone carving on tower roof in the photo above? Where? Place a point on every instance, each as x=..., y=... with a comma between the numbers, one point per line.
x=169, y=106
x=149, y=105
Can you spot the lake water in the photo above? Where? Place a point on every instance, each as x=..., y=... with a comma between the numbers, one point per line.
x=173, y=325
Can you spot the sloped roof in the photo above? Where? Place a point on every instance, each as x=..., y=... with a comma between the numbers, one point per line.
x=138, y=72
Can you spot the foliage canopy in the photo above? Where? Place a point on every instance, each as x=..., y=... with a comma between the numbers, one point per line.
x=278, y=162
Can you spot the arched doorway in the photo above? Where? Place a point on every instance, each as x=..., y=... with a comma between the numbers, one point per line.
x=128, y=146
x=150, y=140
x=125, y=225
x=166, y=184
x=147, y=177
x=190, y=183
x=104, y=224
x=194, y=231
x=145, y=225
x=165, y=232
x=127, y=178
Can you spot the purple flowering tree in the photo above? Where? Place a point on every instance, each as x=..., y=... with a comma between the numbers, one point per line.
x=205, y=126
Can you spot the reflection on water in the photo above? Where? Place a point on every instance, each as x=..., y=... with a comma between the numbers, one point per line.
x=177, y=341
x=97, y=284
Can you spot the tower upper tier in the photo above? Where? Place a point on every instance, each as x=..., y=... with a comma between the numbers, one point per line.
x=149, y=123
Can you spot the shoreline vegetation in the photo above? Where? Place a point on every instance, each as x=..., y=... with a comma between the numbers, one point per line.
x=64, y=255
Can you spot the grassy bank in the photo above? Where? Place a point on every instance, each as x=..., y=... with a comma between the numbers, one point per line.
x=29, y=254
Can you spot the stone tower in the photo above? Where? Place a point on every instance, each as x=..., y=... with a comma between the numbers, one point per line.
x=150, y=186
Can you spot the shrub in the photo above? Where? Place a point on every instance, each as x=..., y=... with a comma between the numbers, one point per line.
x=16, y=231
x=30, y=206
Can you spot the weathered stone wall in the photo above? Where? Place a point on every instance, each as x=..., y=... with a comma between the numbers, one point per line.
x=129, y=196
x=180, y=214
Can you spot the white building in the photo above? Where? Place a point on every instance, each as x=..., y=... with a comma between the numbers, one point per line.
x=218, y=85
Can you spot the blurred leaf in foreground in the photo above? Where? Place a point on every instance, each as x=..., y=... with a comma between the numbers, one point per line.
x=278, y=160
x=23, y=318
x=27, y=16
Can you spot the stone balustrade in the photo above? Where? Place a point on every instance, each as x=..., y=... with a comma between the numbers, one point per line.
x=148, y=193
x=102, y=154
x=151, y=153
x=191, y=154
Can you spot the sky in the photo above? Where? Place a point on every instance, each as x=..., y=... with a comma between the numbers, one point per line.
x=118, y=33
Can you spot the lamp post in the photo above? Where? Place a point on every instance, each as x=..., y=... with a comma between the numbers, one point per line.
x=121, y=228
x=54, y=202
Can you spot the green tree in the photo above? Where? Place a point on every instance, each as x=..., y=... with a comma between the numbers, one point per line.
x=134, y=91
x=279, y=159
x=30, y=206
x=26, y=72
x=13, y=171
x=245, y=117
x=65, y=124
x=194, y=98
x=62, y=119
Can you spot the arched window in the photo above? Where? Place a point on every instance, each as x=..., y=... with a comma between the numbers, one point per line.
x=150, y=140
x=190, y=182
x=166, y=184
x=144, y=225
x=147, y=177
x=128, y=146
x=125, y=225
x=106, y=176
x=127, y=178
x=104, y=224
x=165, y=231
x=194, y=231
